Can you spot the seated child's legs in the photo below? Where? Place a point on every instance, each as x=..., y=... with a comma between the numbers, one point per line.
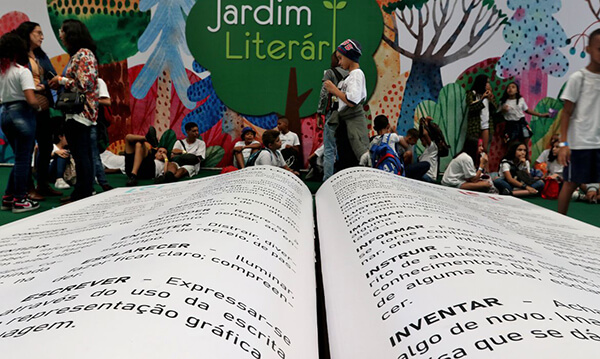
x=503, y=186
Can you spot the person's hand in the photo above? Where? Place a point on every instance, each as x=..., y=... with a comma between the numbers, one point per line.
x=531, y=190
x=288, y=146
x=505, y=108
x=53, y=83
x=545, y=115
x=329, y=86
x=487, y=94
x=564, y=155
x=62, y=153
x=484, y=159
x=296, y=173
x=320, y=121
x=40, y=88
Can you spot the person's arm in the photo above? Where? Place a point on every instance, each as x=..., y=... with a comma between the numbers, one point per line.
x=104, y=101
x=534, y=113
x=323, y=94
x=254, y=145
x=31, y=100
x=332, y=89
x=564, y=153
x=483, y=164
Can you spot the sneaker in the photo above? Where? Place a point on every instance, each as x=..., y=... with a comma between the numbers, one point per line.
x=131, y=181
x=106, y=187
x=7, y=202
x=61, y=184
x=577, y=196
x=151, y=137
x=24, y=205
x=47, y=191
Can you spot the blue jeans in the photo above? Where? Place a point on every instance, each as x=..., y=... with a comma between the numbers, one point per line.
x=57, y=167
x=80, y=144
x=98, y=167
x=329, y=150
x=18, y=124
x=504, y=187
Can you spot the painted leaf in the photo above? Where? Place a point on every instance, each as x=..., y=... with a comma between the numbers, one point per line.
x=214, y=155
x=451, y=117
x=328, y=5
x=544, y=128
x=341, y=5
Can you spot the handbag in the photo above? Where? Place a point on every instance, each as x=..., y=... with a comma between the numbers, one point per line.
x=187, y=159
x=42, y=101
x=70, y=102
x=551, y=189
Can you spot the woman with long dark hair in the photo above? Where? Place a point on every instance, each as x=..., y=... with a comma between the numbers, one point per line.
x=80, y=75
x=17, y=119
x=42, y=71
x=466, y=168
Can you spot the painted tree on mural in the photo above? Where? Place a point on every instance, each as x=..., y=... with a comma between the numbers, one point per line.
x=269, y=63
x=478, y=21
x=167, y=29
x=535, y=39
x=575, y=40
x=115, y=26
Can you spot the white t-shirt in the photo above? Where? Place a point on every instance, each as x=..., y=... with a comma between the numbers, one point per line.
x=430, y=155
x=289, y=138
x=391, y=139
x=268, y=158
x=112, y=161
x=516, y=110
x=159, y=167
x=583, y=89
x=102, y=89
x=355, y=88
x=553, y=167
x=459, y=169
x=505, y=167
x=246, y=152
x=13, y=82
x=197, y=148
x=319, y=152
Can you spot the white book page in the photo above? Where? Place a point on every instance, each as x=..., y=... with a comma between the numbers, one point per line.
x=413, y=270
x=221, y=267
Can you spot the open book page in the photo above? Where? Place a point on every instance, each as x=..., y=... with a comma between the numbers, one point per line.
x=221, y=267
x=412, y=270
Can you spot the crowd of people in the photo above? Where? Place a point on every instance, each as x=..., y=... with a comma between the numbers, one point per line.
x=29, y=84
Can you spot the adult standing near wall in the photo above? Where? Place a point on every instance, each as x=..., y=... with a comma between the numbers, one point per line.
x=17, y=119
x=42, y=71
x=81, y=75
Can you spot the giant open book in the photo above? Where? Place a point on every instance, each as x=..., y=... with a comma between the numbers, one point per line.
x=224, y=267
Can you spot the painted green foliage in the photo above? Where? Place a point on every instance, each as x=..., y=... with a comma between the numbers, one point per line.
x=543, y=128
x=115, y=31
x=214, y=155
x=450, y=114
x=250, y=47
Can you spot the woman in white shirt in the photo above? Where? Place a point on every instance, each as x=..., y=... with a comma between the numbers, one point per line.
x=466, y=169
x=17, y=119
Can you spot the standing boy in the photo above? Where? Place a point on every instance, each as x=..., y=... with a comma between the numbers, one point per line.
x=352, y=92
x=580, y=126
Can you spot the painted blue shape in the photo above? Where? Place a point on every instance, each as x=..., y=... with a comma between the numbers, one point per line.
x=535, y=39
x=167, y=28
x=210, y=112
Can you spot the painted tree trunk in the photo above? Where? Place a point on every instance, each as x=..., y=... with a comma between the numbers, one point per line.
x=533, y=84
x=294, y=102
x=116, y=76
x=424, y=83
x=162, y=118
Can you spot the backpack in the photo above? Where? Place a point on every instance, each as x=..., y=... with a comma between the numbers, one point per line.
x=385, y=158
x=253, y=157
x=437, y=136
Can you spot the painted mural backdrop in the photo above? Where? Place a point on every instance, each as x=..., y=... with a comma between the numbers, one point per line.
x=226, y=64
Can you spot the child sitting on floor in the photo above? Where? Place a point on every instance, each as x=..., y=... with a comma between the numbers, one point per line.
x=244, y=148
x=271, y=155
